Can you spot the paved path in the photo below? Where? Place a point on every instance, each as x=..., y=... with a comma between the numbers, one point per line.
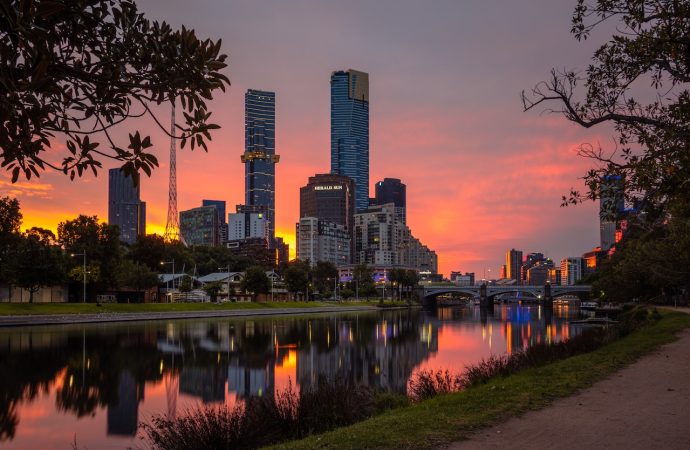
x=643, y=406
x=60, y=319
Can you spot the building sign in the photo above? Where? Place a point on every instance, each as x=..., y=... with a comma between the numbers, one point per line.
x=328, y=188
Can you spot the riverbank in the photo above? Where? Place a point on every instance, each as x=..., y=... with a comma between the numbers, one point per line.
x=445, y=419
x=25, y=314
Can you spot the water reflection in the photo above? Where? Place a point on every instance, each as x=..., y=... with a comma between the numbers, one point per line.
x=101, y=380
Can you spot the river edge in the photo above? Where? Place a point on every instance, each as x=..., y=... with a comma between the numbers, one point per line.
x=71, y=319
x=447, y=419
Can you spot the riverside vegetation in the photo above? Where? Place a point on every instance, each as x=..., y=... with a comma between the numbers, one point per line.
x=335, y=404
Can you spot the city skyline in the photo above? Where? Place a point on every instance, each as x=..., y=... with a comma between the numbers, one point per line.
x=482, y=176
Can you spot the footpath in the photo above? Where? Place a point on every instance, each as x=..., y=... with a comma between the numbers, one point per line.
x=643, y=406
x=61, y=319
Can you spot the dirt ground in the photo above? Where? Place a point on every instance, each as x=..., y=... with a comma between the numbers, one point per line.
x=643, y=406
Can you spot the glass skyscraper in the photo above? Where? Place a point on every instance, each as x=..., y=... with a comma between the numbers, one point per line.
x=350, y=131
x=125, y=208
x=259, y=153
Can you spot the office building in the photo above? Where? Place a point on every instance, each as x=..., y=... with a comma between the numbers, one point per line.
x=125, y=208
x=611, y=208
x=200, y=226
x=282, y=251
x=248, y=223
x=514, y=265
x=259, y=153
x=571, y=271
x=220, y=208
x=381, y=239
x=350, y=131
x=318, y=240
x=392, y=190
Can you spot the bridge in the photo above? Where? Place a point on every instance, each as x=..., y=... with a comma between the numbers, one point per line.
x=487, y=293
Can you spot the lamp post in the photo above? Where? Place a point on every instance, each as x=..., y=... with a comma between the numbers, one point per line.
x=167, y=284
x=84, y=270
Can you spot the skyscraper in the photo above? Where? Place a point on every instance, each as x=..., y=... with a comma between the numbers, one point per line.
x=200, y=226
x=220, y=208
x=350, y=131
x=125, y=208
x=514, y=264
x=259, y=152
x=611, y=208
x=392, y=190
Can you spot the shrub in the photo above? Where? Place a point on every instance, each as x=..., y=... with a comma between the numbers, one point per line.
x=427, y=383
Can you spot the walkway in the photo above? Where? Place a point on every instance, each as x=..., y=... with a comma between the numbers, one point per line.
x=61, y=319
x=643, y=406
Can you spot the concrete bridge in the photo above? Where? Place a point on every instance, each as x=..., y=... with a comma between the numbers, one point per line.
x=487, y=293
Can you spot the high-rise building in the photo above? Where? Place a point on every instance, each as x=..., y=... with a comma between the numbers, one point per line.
x=514, y=264
x=220, y=208
x=392, y=190
x=125, y=208
x=318, y=240
x=282, y=251
x=248, y=223
x=571, y=271
x=259, y=153
x=350, y=131
x=200, y=226
x=611, y=208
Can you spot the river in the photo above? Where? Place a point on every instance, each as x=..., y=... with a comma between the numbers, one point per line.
x=97, y=382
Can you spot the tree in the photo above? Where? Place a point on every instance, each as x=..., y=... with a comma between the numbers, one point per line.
x=297, y=276
x=325, y=275
x=213, y=289
x=80, y=68
x=649, y=49
x=37, y=261
x=363, y=277
x=185, y=285
x=135, y=275
x=256, y=281
x=10, y=221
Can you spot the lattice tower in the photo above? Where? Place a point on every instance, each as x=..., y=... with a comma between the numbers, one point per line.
x=172, y=225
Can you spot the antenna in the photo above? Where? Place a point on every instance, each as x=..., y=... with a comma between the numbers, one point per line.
x=172, y=225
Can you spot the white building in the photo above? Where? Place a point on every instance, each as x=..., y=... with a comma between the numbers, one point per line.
x=318, y=240
x=571, y=270
x=246, y=225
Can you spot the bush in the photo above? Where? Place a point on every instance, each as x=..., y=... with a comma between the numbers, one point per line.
x=427, y=384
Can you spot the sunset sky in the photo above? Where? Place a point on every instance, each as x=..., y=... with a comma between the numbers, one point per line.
x=445, y=117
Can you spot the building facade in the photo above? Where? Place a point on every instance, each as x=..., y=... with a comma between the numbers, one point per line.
x=514, y=265
x=350, y=131
x=248, y=223
x=383, y=240
x=259, y=153
x=200, y=226
x=611, y=208
x=125, y=208
x=571, y=271
x=220, y=208
x=318, y=240
x=392, y=190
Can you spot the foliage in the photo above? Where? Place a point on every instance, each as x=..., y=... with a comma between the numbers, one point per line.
x=134, y=275
x=649, y=50
x=324, y=275
x=363, y=280
x=256, y=281
x=264, y=420
x=79, y=68
x=297, y=276
x=10, y=221
x=36, y=261
x=185, y=285
x=213, y=289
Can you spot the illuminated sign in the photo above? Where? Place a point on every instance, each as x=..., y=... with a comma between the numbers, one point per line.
x=328, y=188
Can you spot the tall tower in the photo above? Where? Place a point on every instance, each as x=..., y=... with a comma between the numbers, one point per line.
x=259, y=154
x=172, y=224
x=125, y=208
x=350, y=131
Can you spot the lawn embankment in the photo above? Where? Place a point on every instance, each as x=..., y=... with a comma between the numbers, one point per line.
x=452, y=417
x=13, y=309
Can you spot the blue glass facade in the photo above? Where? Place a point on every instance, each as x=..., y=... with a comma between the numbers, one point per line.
x=350, y=131
x=259, y=156
x=125, y=208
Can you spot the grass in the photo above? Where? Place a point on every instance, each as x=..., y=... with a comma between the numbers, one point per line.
x=452, y=417
x=12, y=309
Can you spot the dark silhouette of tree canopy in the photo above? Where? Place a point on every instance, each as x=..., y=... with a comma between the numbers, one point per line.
x=80, y=68
x=649, y=51
x=256, y=281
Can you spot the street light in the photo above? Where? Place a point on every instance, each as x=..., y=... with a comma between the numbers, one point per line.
x=167, y=283
x=84, y=255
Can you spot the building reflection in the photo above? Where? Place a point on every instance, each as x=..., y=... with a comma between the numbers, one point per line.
x=94, y=368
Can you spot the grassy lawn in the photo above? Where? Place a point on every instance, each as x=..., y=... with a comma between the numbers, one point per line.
x=8, y=309
x=452, y=417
